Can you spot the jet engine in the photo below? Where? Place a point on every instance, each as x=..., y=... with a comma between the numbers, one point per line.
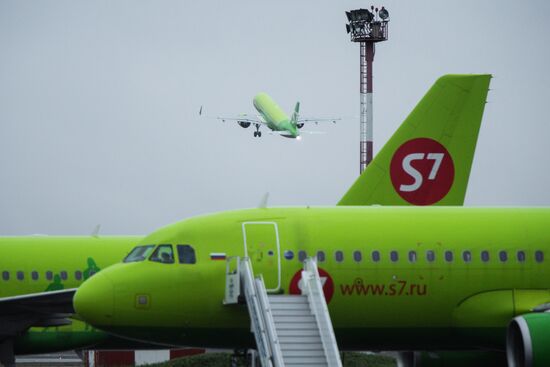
x=244, y=124
x=527, y=340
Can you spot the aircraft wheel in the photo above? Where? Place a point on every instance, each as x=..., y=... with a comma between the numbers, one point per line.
x=259, y=134
x=255, y=133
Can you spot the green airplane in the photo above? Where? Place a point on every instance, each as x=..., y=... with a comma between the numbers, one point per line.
x=274, y=118
x=395, y=278
x=40, y=273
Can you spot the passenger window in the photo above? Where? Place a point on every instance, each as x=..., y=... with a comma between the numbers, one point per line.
x=49, y=275
x=503, y=256
x=302, y=255
x=34, y=275
x=394, y=256
x=289, y=255
x=375, y=256
x=448, y=256
x=484, y=256
x=6, y=275
x=339, y=256
x=467, y=256
x=78, y=275
x=412, y=256
x=20, y=275
x=139, y=253
x=186, y=254
x=163, y=254
x=539, y=256
x=63, y=275
x=321, y=256
x=521, y=256
x=357, y=256
x=430, y=255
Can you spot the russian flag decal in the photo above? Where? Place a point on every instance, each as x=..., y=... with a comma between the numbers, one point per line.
x=217, y=256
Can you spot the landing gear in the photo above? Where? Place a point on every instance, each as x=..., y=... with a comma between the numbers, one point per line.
x=257, y=133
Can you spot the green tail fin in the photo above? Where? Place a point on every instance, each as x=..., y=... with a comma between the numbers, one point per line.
x=428, y=159
x=295, y=114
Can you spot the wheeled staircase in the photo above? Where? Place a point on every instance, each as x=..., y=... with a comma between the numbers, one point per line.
x=290, y=330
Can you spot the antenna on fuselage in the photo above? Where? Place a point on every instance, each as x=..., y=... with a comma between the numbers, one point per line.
x=263, y=202
x=95, y=232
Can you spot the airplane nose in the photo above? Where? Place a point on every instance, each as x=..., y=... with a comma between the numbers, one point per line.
x=94, y=300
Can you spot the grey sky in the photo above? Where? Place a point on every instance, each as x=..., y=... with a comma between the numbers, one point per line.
x=99, y=103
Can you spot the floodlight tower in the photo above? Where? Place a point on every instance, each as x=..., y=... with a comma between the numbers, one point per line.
x=367, y=28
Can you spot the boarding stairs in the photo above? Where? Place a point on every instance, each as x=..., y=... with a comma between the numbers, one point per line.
x=290, y=330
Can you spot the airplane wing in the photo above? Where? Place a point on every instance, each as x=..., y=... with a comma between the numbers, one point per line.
x=40, y=303
x=253, y=119
x=305, y=120
x=19, y=313
x=242, y=118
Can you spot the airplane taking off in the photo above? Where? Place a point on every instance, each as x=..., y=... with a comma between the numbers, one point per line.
x=394, y=278
x=273, y=117
x=65, y=262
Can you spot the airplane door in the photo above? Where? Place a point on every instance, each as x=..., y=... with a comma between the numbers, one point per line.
x=261, y=245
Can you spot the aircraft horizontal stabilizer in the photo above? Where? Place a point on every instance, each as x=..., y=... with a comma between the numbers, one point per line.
x=312, y=132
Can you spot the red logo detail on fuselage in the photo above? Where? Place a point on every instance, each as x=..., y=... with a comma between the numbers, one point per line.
x=326, y=280
x=422, y=171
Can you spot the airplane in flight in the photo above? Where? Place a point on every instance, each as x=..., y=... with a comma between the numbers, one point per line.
x=408, y=279
x=34, y=294
x=274, y=118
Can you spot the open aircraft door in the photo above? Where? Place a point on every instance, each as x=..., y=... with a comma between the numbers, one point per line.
x=261, y=245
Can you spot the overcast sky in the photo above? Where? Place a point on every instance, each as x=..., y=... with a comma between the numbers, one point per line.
x=99, y=104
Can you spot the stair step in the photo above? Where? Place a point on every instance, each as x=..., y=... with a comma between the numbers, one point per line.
x=307, y=361
x=301, y=346
x=300, y=340
x=297, y=332
x=289, y=306
x=287, y=299
x=294, y=318
x=296, y=325
x=291, y=312
x=303, y=353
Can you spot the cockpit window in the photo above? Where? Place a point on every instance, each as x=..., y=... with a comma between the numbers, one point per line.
x=163, y=254
x=139, y=253
x=186, y=254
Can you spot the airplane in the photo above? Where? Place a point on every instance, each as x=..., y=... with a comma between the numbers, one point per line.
x=274, y=118
x=65, y=262
x=451, y=283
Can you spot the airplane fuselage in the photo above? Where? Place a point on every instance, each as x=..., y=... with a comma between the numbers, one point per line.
x=395, y=278
x=275, y=118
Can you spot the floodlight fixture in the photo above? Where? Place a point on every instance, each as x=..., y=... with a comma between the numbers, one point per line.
x=383, y=14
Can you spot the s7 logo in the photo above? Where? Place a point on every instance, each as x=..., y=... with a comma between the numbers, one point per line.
x=422, y=171
x=437, y=158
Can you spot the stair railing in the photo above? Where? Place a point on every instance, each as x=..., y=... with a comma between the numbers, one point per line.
x=312, y=287
x=262, y=323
